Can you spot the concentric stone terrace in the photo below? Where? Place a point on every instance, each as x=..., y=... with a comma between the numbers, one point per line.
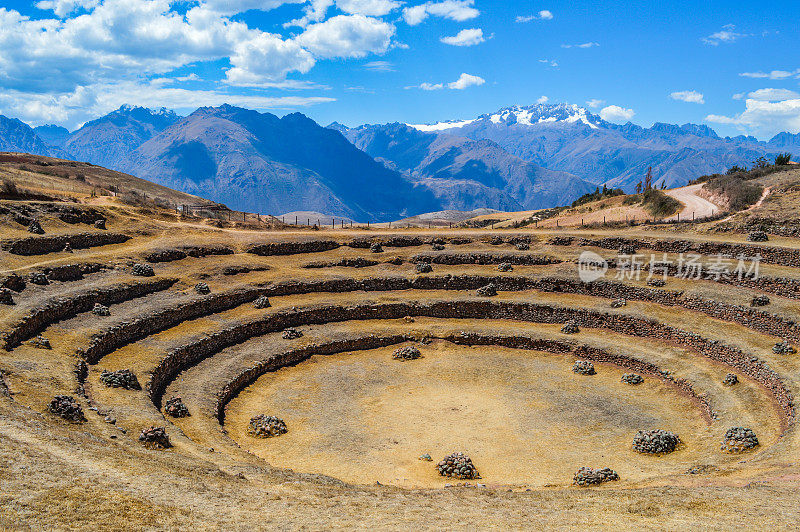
x=294, y=335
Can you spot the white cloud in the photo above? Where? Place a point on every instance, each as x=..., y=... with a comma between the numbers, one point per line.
x=725, y=35
x=616, y=114
x=347, y=36
x=463, y=82
x=688, y=97
x=266, y=57
x=458, y=10
x=581, y=45
x=775, y=74
x=542, y=15
x=549, y=62
x=190, y=77
x=469, y=37
x=371, y=8
x=738, y=96
x=764, y=118
x=543, y=99
x=594, y=103
x=232, y=7
x=315, y=11
x=773, y=95
x=62, y=8
x=379, y=66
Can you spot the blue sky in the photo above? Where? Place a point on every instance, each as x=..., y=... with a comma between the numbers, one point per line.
x=733, y=65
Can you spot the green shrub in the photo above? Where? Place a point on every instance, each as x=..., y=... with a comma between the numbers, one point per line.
x=598, y=195
x=740, y=193
x=783, y=159
x=658, y=204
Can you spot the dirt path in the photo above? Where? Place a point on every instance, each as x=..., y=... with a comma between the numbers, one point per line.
x=694, y=205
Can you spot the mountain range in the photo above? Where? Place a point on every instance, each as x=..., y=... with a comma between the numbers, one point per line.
x=517, y=158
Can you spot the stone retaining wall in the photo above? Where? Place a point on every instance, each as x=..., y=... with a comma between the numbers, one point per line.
x=292, y=248
x=454, y=259
x=179, y=253
x=62, y=308
x=40, y=245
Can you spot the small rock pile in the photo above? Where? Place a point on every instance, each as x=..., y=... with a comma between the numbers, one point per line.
x=376, y=248
x=437, y=247
x=123, y=378
x=6, y=297
x=35, y=227
x=100, y=310
x=407, y=353
x=262, y=302
x=39, y=278
x=627, y=250
x=784, y=348
x=505, y=267
x=759, y=301
x=655, y=281
x=143, y=270
x=67, y=247
x=497, y=241
x=655, y=441
x=570, y=328
x=583, y=367
x=424, y=267
x=40, y=342
x=730, y=380
x=264, y=426
x=522, y=246
x=202, y=288
x=155, y=438
x=291, y=334
x=739, y=440
x=174, y=407
x=100, y=224
x=457, y=465
x=632, y=378
x=758, y=236
x=587, y=476
x=66, y=407
x=618, y=303
x=489, y=290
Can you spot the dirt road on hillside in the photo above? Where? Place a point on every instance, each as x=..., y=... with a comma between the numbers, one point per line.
x=694, y=205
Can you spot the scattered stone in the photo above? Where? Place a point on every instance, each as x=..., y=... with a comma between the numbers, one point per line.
x=730, y=380
x=655, y=281
x=155, y=438
x=39, y=278
x=457, y=465
x=202, y=288
x=759, y=301
x=35, y=227
x=143, y=270
x=100, y=224
x=437, y=247
x=66, y=407
x=408, y=319
x=174, y=407
x=291, y=334
x=81, y=371
x=426, y=457
x=570, y=327
x=67, y=247
x=6, y=296
x=489, y=290
x=739, y=440
x=262, y=302
x=100, y=310
x=40, y=342
x=627, y=249
x=407, y=353
x=123, y=378
x=111, y=420
x=586, y=476
x=619, y=303
x=497, y=240
x=758, y=236
x=583, y=367
x=13, y=282
x=505, y=267
x=264, y=426
x=424, y=267
x=632, y=378
x=376, y=248
x=784, y=348
x=522, y=246
x=655, y=441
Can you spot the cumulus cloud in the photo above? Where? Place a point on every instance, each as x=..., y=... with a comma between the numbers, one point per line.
x=458, y=10
x=773, y=95
x=775, y=74
x=616, y=114
x=469, y=37
x=266, y=57
x=543, y=99
x=62, y=8
x=581, y=45
x=726, y=35
x=463, y=82
x=688, y=97
x=594, y=103
x=371, y=8
x=347, y=36
x=232, y=7
x=764, y=118
x=542, y=15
